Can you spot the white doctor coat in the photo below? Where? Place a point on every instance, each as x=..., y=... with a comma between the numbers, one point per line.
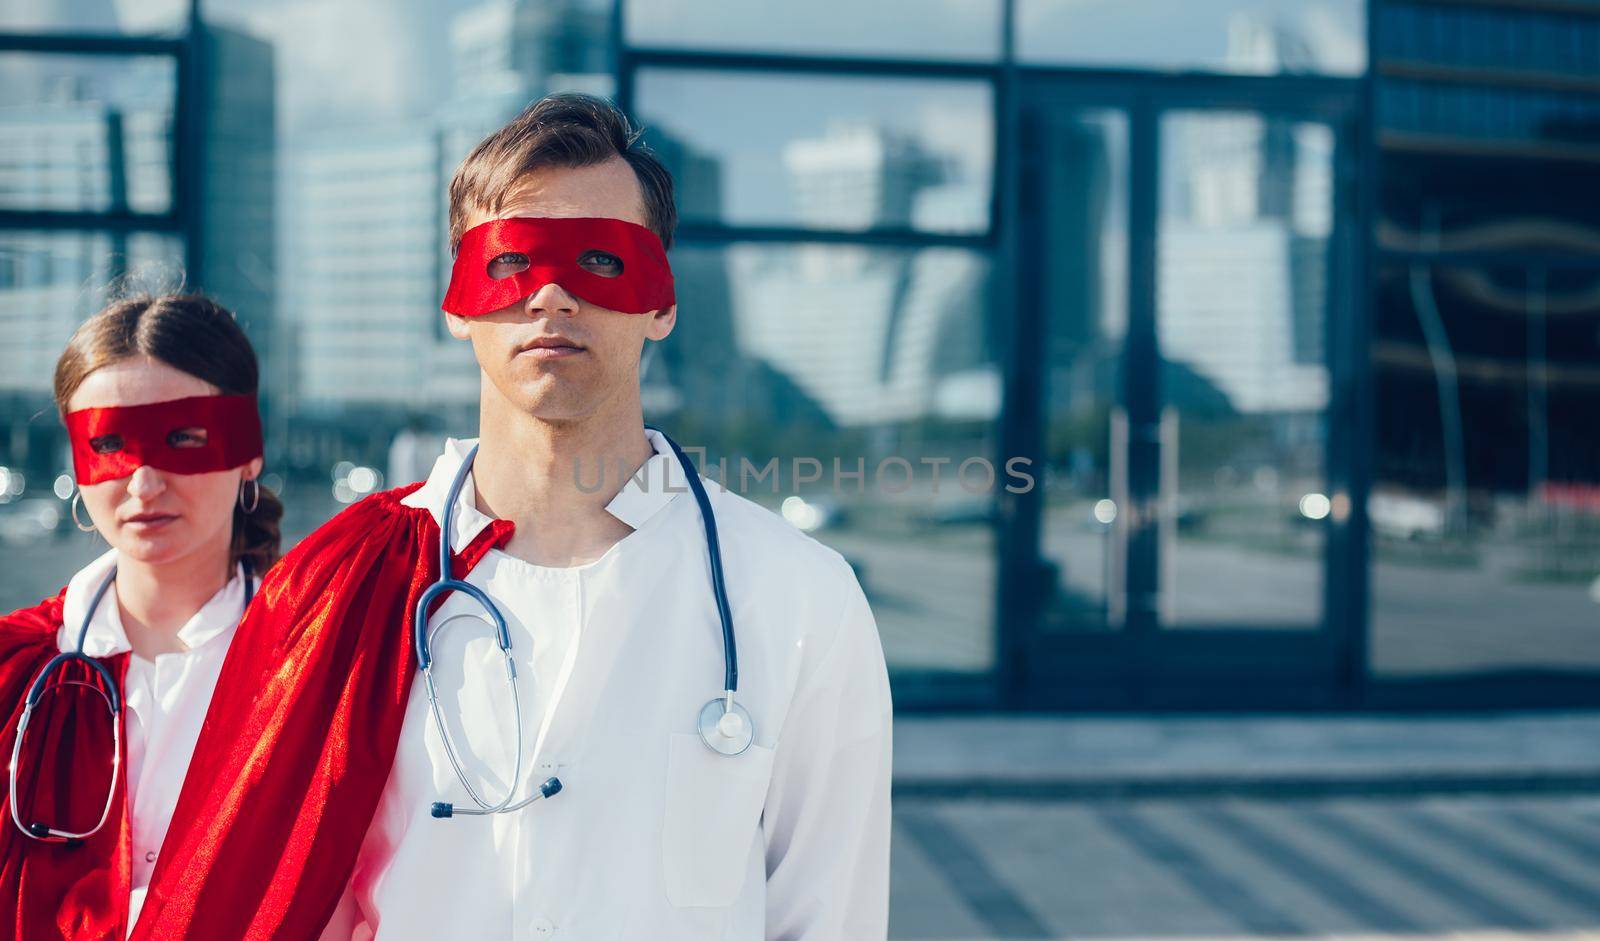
x=654, y=835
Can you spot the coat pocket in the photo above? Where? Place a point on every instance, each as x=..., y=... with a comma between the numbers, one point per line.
x=713, y=814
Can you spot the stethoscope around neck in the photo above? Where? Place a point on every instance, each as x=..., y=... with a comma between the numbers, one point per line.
x=724, y=725
x=108, y=691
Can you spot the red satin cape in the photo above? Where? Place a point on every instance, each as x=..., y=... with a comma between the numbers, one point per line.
x=53, y=890
x=302, y=731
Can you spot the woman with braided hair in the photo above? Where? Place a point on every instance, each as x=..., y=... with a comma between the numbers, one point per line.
x=104, y=687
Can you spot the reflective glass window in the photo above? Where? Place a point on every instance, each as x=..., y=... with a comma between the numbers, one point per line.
x=1485, y=507
x=825, y=152
x=1245, y=37
x=86, y=133
x=963, y=30
x=855, y=392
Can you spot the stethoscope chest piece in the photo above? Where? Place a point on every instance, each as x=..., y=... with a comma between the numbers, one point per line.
x=726, y=731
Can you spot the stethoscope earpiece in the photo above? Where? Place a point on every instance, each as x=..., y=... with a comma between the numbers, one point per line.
x=444, y=810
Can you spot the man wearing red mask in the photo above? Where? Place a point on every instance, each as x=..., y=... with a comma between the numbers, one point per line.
x=581, y=758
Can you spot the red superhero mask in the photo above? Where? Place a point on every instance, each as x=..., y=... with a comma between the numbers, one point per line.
x=196, y=435
x=608, y=262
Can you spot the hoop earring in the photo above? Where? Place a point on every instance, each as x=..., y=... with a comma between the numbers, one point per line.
x=77, y=498
x=255, y=495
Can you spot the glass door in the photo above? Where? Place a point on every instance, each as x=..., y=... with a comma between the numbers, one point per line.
x=1187, y=256
x=1243, y=296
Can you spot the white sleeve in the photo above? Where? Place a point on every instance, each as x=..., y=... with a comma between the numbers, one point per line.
x=826, y=820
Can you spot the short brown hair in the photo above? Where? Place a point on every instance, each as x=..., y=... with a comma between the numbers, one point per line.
x=562, y=130
x=193, y=334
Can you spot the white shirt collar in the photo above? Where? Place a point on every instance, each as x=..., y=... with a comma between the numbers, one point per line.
x=106, y=635
x=656, y=483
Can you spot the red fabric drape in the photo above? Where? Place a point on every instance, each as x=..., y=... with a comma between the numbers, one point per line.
x=53, y=891
x=302, y=731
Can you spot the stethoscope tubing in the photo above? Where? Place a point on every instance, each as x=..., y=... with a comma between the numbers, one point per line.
x=730, y=744
x=109, y=692
x=730, y=653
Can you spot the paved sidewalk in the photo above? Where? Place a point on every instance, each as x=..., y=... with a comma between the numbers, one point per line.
x=1099, y=756
x=1462, y=867
x=1465, y=827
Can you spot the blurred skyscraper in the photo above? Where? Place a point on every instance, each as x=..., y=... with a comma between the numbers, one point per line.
x=91, y=134
x=1245, y=220
x=1488, y=124
x=88, y=136
x=866, y=335
x=674, y=373
x=369, y=209
x=238, y=192
x=858, y=176
x=363, y=279
x=525, y=48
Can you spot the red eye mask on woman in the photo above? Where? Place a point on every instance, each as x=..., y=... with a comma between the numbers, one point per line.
x=608, y=262
x=196, y=435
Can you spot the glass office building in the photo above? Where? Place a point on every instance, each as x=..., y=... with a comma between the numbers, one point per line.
x=1155, y=354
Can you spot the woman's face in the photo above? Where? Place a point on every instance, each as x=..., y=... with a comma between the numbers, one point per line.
x=152, y=515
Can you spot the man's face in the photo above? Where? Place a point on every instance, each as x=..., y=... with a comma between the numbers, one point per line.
x=596, y=358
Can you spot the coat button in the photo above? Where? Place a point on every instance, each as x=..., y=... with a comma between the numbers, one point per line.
x=150, y=857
